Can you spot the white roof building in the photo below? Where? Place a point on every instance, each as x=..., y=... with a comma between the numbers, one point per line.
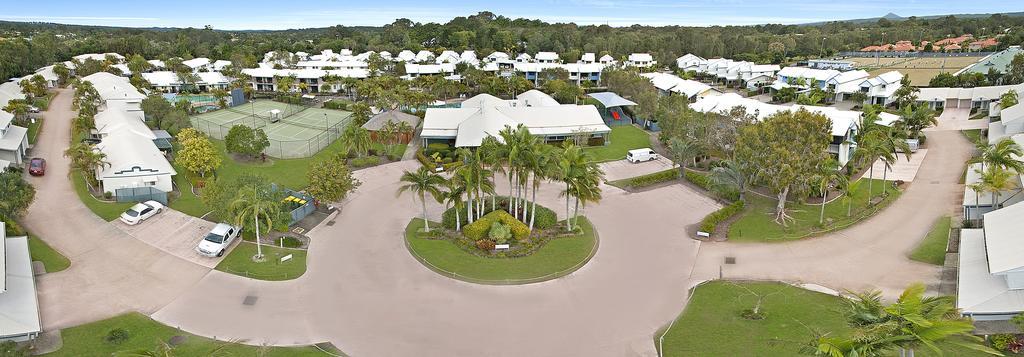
x=496, y=56
x=607, y=60
x=640, y=60
x=447, y=56
x=588, y=57
x=413, y=70
x=13, y=138
x=112, y=87
x=670, y=83
x=689, y=62
x=546, y=57
x=990, y=282
x=814, y=77
x=485, y=115
x=99, y=56
x=20, y=318
x=847, y=82
x=197, y=64
x=406, y=56
x=424, y=56
x=134, y=161
x=524, y=57
x=881, y=88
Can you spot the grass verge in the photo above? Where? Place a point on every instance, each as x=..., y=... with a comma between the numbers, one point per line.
x=51, y=258
x=239, y=262
x=109, y=211
x=711, y=324
x=932, y=249
x=33, y=130
x=973, y=134
x=145, y=334
x=757, y=221
x=622, y=139
x=558, y=256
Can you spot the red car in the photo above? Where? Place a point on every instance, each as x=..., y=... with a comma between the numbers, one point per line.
x=37, y=167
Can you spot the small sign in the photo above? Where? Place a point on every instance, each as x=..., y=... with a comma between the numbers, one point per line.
x=501, y=247
x=703, y=234
x=286, y=258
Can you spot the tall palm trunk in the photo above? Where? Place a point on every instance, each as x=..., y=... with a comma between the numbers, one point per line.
x=871, y=181
x=576, y=212
x=533, y=210
x=821, y=216
x=469, y=208
x=568, y=223
x=885, y=175
x=511, y=204
x=426, y=224
x=458, y=220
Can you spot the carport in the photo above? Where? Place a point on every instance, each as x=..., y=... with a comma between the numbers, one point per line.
x=614, y=111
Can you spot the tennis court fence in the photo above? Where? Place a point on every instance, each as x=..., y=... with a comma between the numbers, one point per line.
x=282, y=149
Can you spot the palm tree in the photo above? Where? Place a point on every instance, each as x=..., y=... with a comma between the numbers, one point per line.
x=682, y=152
x=849, y=190
x=993, y=180
x=85, y=159
x=894, y=141
x=732, y=175
x=258, y=205
x=541, y=163
x=356, y=138
x=422, y=182
x=585, y=187
x=491, y=154
x=1005, y=153
x=572, y=162
x=453, y=196
x=512, y=152
x=872, y=146
x=826, y=176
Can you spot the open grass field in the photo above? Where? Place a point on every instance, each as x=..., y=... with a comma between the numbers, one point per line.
x=145, y=334
x=301, y=132
x=757, y=221
x=623, y=139
x=558, y=257
x=920, y=70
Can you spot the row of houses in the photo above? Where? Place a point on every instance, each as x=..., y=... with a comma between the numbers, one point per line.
x=729, y=72
x=133, y=153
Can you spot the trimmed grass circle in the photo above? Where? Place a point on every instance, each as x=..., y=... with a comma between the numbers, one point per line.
x=558, y=258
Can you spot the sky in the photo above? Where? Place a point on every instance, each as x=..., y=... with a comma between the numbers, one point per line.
x=276, y=15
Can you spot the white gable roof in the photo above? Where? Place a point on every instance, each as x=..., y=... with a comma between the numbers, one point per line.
x=588, y=57
x=130, y=154
x=546, y=56
x=640, y=57
x=1003, y=244
x=842, y=120
x=112, y=87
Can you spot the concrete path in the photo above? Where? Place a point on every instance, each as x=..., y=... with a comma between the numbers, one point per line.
x=957, y=119
x=174, y=232
x=365, y=293
x=111, y=272
x=622, y=169
x=901, y=170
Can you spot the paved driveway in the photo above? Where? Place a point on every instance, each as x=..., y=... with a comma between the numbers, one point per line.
x=902, y=169
x=111, y=272
x=173, y=232
x=622, y=169
x=958, y=119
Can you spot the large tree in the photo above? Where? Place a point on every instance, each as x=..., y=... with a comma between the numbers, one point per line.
x=785, y=151
x=247, y=141
x=421, y=183
x=15, y=195
x=330, y=180
x=197, y=155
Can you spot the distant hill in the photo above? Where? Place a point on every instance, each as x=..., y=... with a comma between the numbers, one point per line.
x=893, y=17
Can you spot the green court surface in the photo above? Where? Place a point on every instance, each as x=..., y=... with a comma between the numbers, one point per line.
x=300, y=131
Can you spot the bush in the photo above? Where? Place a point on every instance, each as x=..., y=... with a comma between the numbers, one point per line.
x=108, y=195
x=336, y=104
x=116, y=336
x=499, y=233
x=12, y=228
x=650, y=179
x=364, y=161
x=545, y=218
x=712, y=220
x=478, y=229
x=1002, y=341
x=597, y=141
x=485, y=244
x=438, y=147
x=701, y=180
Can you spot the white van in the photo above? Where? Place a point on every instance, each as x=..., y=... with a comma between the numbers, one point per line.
x=641, y=155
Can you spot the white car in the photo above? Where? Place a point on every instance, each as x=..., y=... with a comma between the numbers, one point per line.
x=218, y=240
x=141, y=212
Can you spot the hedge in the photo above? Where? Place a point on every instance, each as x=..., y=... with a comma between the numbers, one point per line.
x=336, y=104
x=429, y=163
x=650, y=179
x=545, y=219
x=701, y=180
x=712, y=220
x=365, y=161
x=478, y=229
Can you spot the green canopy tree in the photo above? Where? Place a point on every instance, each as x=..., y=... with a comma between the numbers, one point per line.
x=331, y=180
x=256, y=204
x=16, y=195
x=197, y=155
x=247, y=141
x=787, y=149
x=85, y=159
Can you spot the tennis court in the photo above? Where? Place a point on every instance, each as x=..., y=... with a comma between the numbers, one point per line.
x=295, y=131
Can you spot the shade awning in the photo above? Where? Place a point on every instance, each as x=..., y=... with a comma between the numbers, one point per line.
x=609, y=99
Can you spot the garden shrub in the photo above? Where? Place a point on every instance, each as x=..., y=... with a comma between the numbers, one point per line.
x=364, y=161
x=499, y=233
x=12, y=228
x=699, y=179
x=1002, y=341
x=485, y=244
x=712, y=220
x=650, y=179
x=546, y=218
x=116, y=336
x=478, y=229
x=437, y=147
x=336, y=104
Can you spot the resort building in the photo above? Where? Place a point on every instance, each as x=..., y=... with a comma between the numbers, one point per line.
x=640, y=60
x=19, y=321
x=838, y=65
x=880, y=89
x=689, y=62
x=670, y=84
x=966, y=98
x=990, y=280
x=171, y=82
x=547, y=57
x=999, y=61
x=13, y=138
x=486, y=115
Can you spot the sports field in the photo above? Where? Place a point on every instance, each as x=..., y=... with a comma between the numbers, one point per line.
x=919, y=69
x=294, y=131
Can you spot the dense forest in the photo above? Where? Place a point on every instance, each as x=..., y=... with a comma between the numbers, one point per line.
x=27, y=46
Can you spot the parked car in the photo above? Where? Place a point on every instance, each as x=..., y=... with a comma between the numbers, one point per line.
x=141, y=212
x=218, y=240
x=641, y=155
x=37, y=166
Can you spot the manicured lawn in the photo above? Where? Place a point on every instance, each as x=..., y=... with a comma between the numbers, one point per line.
x=757, y=221
x=107, y=210
x=973, y=134
x=186, y=202
x=558, y=256
x=33, y=130
x=239, y=262
x=932, y=249
x=623, y=139
x=52, y=259
x=144, y=333
x=711, y=324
